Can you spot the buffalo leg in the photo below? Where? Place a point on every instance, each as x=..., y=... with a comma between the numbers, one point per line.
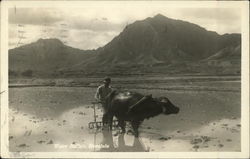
x=110, y=122
x=135, y=126
x=105, y=119
x=122, y=124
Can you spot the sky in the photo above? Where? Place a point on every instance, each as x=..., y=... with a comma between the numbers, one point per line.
x=90, y=27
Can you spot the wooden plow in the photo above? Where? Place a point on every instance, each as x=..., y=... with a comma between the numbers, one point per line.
x=99, y=124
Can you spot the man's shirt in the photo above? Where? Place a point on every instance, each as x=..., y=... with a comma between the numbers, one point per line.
x=102, y=92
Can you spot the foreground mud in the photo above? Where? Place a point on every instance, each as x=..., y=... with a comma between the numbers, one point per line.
x=70, y=132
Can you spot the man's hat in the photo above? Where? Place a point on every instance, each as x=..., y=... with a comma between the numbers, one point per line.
x=107, y=80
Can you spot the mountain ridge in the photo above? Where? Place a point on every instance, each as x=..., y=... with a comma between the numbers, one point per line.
x=161, y=39
x=153, y=41
x=45, y=56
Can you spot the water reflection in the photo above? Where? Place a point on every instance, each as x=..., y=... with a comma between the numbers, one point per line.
x=121, y=147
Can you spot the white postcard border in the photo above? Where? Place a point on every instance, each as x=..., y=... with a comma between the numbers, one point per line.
x=243, y=5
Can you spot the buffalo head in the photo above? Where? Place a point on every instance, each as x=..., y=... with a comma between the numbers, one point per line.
x=167, y=106
x=149, y=107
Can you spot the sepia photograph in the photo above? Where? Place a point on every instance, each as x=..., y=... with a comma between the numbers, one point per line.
x=142, y=78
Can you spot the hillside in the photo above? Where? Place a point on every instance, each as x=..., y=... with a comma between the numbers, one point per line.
x=162, y=40
x=45, y=56
x=227, y=53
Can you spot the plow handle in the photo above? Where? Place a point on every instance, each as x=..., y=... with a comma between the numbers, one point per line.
x=94, y=111
x=94, y=103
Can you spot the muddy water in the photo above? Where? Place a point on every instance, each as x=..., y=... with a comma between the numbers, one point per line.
x=70, y=132
x=56, y=119
x=67, y=132
x=49, y=101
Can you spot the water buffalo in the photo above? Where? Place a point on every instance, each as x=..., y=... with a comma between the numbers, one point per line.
x=135, y=107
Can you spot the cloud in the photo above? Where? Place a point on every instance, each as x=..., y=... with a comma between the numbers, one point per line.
x=86, y=39
x=20, y=36
x=34, y=16
x=221, y=20
x=94, y=24
x=74, y=19
x=222, y=14
x=93, y=27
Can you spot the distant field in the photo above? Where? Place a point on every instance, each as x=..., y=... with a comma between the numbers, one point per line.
x=181, y=83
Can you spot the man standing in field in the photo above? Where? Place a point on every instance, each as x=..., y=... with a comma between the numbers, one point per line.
x=101, y=95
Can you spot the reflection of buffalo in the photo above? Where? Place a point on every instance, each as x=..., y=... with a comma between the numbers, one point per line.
x=134, y=107
x=121, y=146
